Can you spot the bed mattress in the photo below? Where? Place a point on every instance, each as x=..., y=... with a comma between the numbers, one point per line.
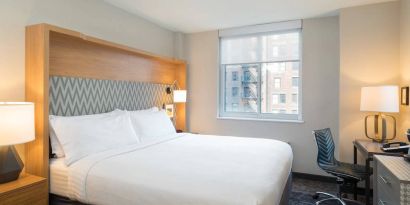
x=58, y=177
x=180, y=169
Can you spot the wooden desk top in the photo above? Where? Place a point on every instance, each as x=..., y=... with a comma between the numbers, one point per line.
x=370, y=148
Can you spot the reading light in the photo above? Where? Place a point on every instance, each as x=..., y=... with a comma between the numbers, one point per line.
x=16, y=127
x=179, y=96
x=380, y=99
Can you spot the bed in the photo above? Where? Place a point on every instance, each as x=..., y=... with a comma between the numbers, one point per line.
x=72, y=74
x=180, y=169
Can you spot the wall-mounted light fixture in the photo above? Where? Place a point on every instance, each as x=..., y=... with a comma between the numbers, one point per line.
x=179, y=96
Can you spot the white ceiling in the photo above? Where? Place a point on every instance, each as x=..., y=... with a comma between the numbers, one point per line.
x=191, y=16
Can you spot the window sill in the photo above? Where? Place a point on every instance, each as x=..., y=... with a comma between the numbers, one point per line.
x=261, y=119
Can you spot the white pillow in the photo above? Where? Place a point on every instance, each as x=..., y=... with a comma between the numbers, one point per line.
x=56, y=147
x=151, y=124
x=81, y=136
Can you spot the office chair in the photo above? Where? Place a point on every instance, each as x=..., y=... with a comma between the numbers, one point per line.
x=345, y=173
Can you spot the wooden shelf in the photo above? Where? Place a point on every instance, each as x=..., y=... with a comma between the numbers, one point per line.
x=28, y=189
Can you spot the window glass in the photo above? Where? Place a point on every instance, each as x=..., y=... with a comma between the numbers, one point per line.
x=261, y=75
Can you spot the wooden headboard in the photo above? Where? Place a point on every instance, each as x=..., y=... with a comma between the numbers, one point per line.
x=54, y=51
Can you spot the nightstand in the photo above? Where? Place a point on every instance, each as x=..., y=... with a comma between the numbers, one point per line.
x=28, y=189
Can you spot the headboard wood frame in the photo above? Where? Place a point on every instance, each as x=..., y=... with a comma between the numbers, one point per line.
x=55, y=51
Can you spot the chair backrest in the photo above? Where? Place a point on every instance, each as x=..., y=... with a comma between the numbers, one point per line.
x=326, y=147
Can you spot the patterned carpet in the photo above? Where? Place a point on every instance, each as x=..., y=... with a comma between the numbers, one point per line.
x=303, y=189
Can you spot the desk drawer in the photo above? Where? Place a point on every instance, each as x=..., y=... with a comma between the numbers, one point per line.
x=388, y=187
x=386, y=197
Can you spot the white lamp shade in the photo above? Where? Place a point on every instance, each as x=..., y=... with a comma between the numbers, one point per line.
x=380, y=99
x=179, y=96
x=16, y=123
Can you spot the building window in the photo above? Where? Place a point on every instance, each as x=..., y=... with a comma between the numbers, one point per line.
x=295, y=81
x=282, y=98
x=235, y=91
x=234, y=75
x=267, y=66
x=277, y=83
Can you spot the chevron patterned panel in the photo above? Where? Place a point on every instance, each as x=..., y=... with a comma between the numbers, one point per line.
x=326, y=147
x=71, y=96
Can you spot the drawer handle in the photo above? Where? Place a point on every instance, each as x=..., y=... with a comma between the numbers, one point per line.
x=384, y=180
x=382, y=202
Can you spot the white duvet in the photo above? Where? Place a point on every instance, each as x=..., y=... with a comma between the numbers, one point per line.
x=184, y=169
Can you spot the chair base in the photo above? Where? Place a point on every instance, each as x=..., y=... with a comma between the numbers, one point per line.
x=332, y=197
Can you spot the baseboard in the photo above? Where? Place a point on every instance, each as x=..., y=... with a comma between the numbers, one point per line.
x=327, y=179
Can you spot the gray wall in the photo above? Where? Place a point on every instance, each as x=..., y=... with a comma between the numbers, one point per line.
x=92, y=17
x=320, y=79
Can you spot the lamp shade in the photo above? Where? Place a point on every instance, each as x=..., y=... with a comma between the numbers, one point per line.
x=179, y=96
x=16, y=122
x=380, y=99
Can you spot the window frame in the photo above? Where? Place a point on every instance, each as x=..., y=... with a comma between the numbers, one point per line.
x=259, y=116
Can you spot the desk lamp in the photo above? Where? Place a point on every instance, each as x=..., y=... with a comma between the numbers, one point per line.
x=380, y=99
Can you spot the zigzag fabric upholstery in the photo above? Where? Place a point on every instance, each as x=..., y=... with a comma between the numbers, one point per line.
x=327, y=161
x=70, y=96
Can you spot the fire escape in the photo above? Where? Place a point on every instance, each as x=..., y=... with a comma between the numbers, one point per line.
x=249, y=86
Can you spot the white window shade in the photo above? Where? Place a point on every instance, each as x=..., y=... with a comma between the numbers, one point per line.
x=261, y=28
x=266, y=44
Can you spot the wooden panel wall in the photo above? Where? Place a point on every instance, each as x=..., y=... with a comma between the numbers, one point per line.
x=37, y=91
x=51, y=50
x=77, y=57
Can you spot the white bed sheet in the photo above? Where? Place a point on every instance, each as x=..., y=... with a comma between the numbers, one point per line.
x=59, y=177
x=184, y=169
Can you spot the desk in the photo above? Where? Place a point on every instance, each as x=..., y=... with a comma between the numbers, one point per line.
x=391, y=181
x=368, y=148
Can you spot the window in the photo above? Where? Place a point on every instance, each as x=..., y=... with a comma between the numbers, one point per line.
x=235, y=91
x=295, y=81
x=234, y=75
x=260, y=72
x=277, y=83
x=282, y=98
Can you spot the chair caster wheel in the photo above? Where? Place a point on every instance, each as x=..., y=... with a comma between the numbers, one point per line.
x=315, y=196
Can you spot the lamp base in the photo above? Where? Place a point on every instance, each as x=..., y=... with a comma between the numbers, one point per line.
x=380, y=136
x=10, y=164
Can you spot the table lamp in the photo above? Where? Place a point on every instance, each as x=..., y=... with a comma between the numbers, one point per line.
x=380, y=99
x=16, y=127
